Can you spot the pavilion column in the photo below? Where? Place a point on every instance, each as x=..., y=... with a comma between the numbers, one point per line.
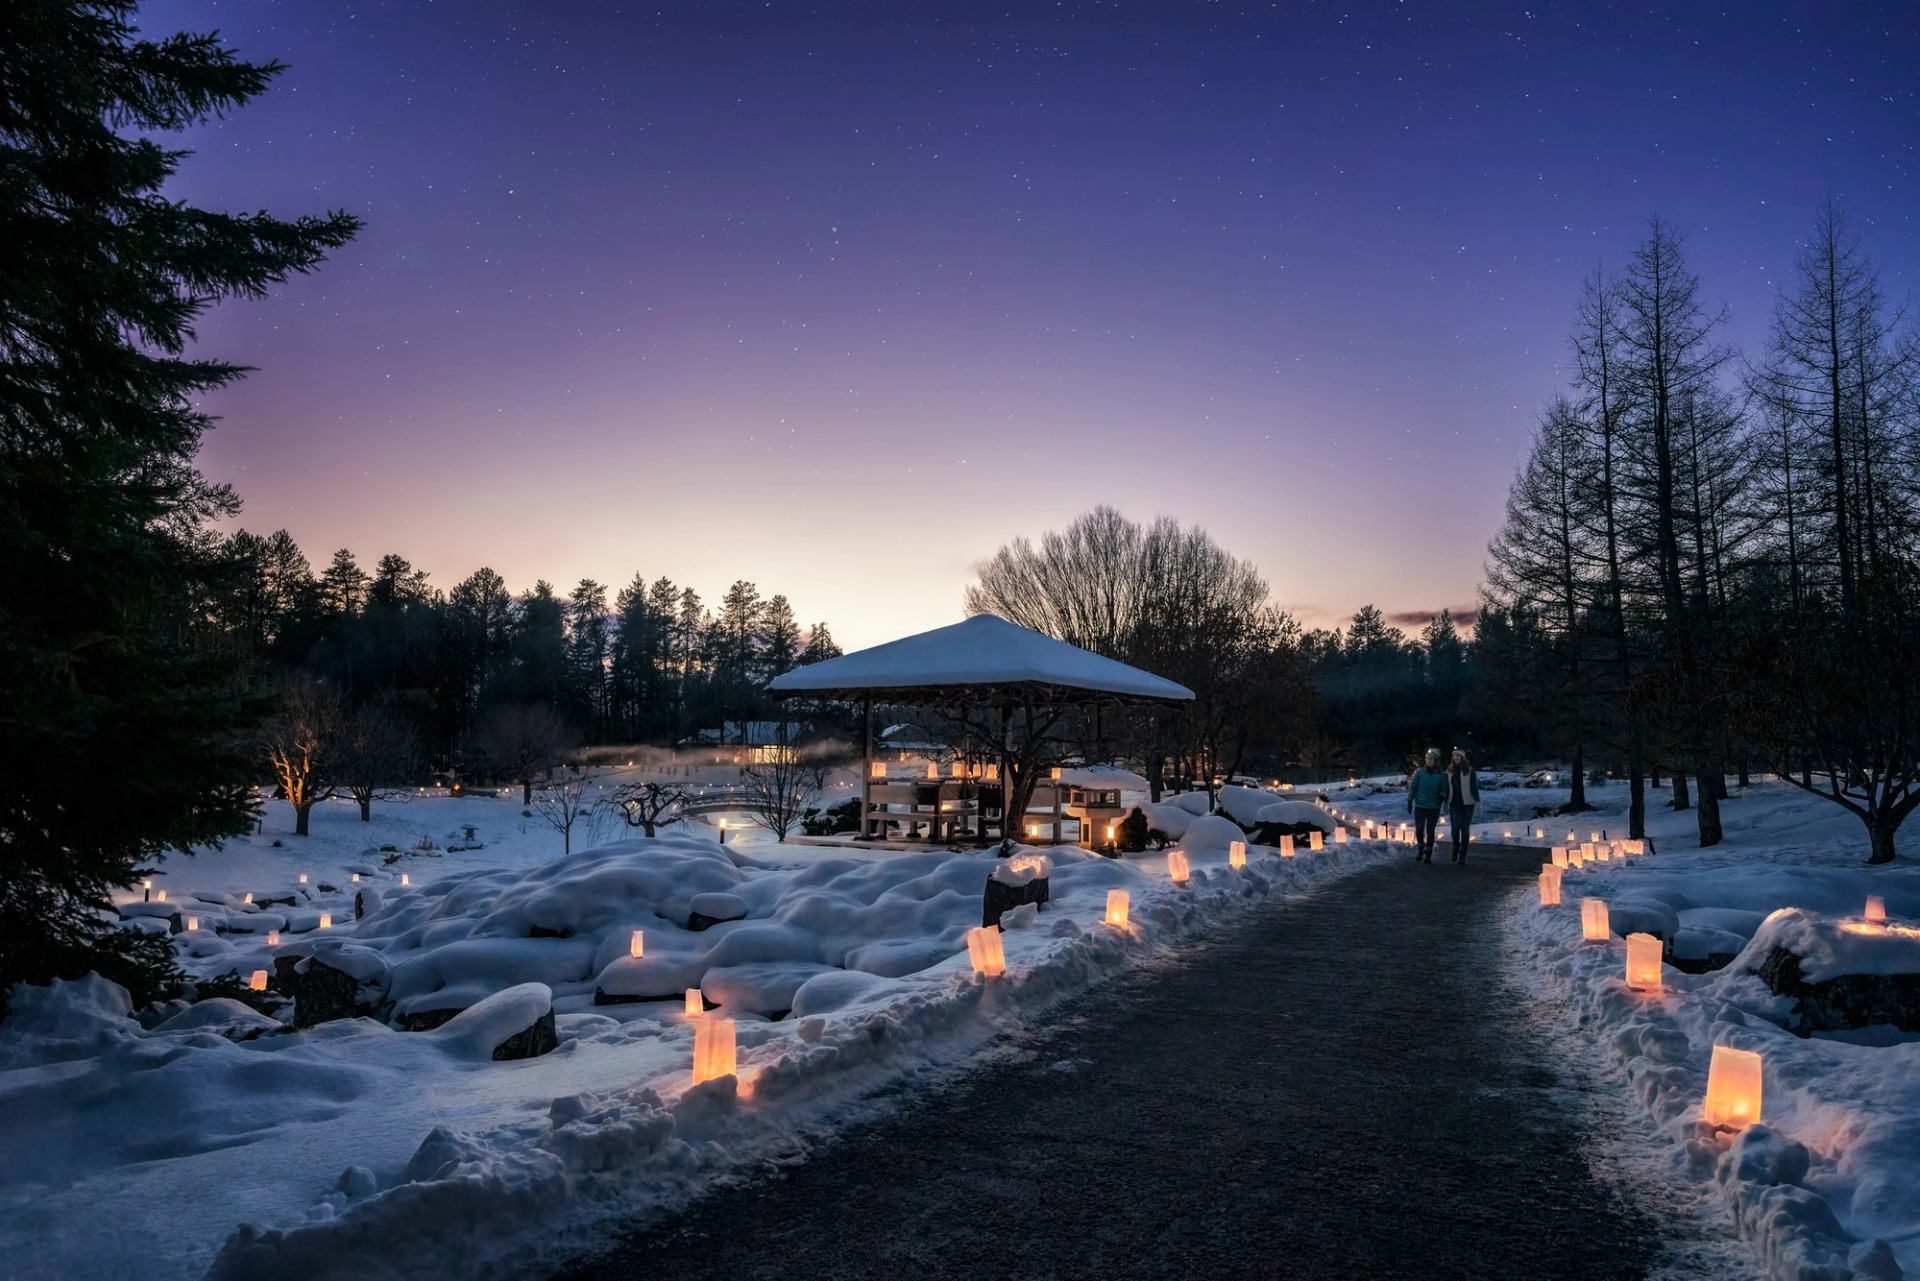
x=1007, y=830
x=866, y=772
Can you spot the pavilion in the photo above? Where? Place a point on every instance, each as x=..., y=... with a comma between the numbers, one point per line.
x=984, y=662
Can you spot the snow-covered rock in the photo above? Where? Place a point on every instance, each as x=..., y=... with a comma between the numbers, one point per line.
x=513, y=1024
x=715, y=907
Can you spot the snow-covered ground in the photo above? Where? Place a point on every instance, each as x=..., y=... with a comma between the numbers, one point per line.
x=1828, y=1185
x=219, y=1140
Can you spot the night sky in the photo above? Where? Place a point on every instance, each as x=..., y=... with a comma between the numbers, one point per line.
x=840, y=300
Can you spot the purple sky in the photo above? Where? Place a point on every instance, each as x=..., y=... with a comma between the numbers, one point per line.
x=840, y=300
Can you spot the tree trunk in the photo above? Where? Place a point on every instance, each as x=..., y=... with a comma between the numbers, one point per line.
x=526, y=791
x=1680, y=798
x=1637, y=802
x=1880, y=835
x=300, y=813
x=1746, y=778
x=1653, y=776
x=366, y=809
x=1712, y=784
x=1577, y=797
x=1718, y=782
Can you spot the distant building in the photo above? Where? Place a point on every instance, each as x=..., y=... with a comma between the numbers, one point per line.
x=745, y=742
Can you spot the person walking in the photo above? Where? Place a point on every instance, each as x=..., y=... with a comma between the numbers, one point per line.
x=1426, y=795
x=1463, y=797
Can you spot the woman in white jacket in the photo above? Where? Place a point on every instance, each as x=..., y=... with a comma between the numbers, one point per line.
x=1463, y=796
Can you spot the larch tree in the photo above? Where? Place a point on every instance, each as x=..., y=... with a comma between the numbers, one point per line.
x=1538, y=566
x=1672, y=354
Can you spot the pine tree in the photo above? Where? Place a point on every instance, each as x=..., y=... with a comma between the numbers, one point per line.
x=110, y=671
x=343, y=586
x=539, y=673
x=779, y=639
x=820, y=646
x=479, y=631
x=589, y=634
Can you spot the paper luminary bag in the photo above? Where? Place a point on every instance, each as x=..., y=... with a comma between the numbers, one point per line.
x=1643, y=962
x=713, y=1049
x=1734, y=1088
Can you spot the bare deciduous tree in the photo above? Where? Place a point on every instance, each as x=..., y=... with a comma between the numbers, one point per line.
x=650, y=806
x=524, y=741
x=1166, y=598
x=303, y=745
x=563, y=802
x=782, y=784
x=378, y=750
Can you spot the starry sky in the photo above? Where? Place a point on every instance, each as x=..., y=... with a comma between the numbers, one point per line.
x=839, y=299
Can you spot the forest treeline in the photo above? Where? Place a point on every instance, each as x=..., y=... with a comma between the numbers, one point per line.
x=648, y=663
x=1707, y=563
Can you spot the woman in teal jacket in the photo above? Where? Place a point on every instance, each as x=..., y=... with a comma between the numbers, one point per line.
x=1427, y=794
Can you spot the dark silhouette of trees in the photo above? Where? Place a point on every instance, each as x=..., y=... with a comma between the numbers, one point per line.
x=1735, y=557
x=108, y=567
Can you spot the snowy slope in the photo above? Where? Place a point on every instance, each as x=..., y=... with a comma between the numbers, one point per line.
x=355, y=1149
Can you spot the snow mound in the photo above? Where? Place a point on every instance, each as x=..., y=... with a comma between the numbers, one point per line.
x=66, y=1019
x=1194, y=803
x=1168, y=818
x=1212, y=834
x=1243, y=804
x=220, y=1014
x=1293, y=813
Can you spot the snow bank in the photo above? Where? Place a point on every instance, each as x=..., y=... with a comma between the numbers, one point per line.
x=868, y=956
x=1828, y=1186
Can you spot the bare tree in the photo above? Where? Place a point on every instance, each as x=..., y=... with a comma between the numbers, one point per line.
x=782, y=783
x=378, y=750
x=303, y=745
x=1163, y=597
x=650, y=806
x=524, y=741
x=563, y=802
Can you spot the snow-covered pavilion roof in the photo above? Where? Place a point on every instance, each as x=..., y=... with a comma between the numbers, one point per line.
x=984, y=657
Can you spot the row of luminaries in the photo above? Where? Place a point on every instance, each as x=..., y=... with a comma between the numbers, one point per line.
x=1735, y=1076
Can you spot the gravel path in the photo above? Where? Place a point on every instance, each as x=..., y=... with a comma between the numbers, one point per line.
x=1342, y=1088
